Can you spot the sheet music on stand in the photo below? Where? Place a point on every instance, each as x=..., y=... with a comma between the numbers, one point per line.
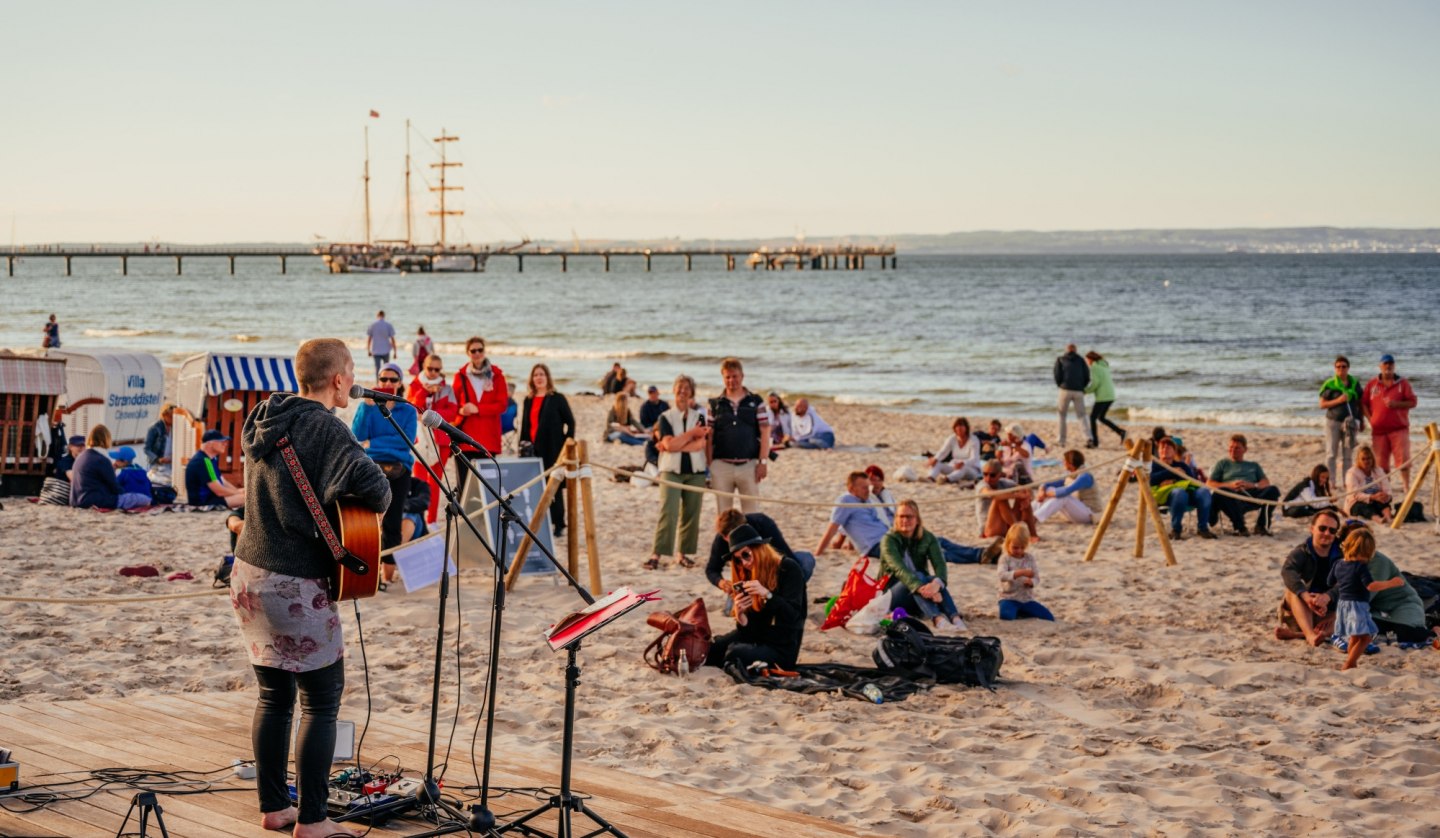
x=578, y=625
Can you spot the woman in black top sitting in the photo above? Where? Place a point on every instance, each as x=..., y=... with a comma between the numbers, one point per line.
x=769, y=595
x=545, y=423
x=1314, y=489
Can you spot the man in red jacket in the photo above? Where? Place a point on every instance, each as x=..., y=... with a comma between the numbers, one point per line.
x=1387, y=401
x=481, y=393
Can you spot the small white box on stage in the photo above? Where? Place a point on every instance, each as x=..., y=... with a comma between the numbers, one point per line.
x=344, y=739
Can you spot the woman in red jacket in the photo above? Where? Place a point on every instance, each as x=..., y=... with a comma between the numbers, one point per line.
x=482, y=395
x=428, y=391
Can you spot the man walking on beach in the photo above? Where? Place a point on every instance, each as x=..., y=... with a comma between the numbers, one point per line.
x=1387, y=401
x=380, y=341
x=739, y=440
x=1072, y=376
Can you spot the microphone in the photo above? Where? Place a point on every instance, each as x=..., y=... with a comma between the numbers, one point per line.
x=358, y=392
x=432, y=420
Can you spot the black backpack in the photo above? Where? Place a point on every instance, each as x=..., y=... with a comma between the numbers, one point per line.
x=910, y=648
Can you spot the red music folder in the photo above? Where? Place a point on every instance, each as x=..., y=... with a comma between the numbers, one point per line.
x=579, y=624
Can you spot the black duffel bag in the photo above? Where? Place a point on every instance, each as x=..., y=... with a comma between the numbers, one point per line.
x=909, y=647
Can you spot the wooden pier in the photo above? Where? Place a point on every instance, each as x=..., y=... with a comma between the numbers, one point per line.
x=800, y=257
x=205, y=731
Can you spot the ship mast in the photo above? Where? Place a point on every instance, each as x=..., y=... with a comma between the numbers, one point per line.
x=409, y=236
x=367, y=184
x=442, y=188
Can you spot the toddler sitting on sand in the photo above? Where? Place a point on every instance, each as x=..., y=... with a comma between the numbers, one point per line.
x=1018, y=577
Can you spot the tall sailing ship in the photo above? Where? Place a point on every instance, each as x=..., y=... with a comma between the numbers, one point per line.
x=388, y=256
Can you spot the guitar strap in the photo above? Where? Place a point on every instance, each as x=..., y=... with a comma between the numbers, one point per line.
x=312, y=502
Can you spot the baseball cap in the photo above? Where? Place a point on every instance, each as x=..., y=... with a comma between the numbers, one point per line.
x=652, y=389
x=1387, y=358
x=214, y=434
x=124, y=452
x=76, y=440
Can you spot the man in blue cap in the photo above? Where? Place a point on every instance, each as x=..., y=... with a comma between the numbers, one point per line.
x=134, y=483
x=204, y=486
x=73, y=446
x=1387, y=400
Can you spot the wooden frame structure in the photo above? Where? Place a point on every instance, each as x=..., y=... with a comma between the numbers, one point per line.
x=579, y=502
x=1431, y=466
x=1136, y=466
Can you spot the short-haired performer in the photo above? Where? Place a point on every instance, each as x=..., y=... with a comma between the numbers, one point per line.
x=279, y=587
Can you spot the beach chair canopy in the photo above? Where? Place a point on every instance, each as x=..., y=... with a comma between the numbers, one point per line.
x=33, y=376
x=212, y=374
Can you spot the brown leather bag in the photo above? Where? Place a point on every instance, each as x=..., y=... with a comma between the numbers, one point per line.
x=687, y=629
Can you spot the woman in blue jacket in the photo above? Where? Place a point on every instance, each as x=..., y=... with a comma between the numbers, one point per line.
x=391, y=451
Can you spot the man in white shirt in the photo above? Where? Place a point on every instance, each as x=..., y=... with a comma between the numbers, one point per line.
x=808, y=430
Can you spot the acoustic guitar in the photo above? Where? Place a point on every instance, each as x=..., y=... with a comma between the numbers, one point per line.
x=357, y=572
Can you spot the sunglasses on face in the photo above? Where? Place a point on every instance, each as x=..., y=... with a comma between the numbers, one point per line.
x=477, y=351
x=745, y=553
x=1328, y=530
x=432, y=369
x=389, y=381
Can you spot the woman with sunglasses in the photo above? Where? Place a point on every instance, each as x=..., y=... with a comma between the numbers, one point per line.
x=768, y=591
x=482, y=395
x=911, y=556
x=430, y=391
x=390, y=450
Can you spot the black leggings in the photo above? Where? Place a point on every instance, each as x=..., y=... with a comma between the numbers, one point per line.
x=399, y=478
x=320, y=692
x=1097, y=415
x=1404, y=633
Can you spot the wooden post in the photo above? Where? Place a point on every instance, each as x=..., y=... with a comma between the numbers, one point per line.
x=520, y=263
x=124, y=265
x=587, y=504
x=647, y=261
x=179, y=266
x=67, y=265
x=10, y=265
x=564, y=264
x=1432, y=461
x=1148, y=501
x=551, y=487
x=572, y=509
x=232, y=264
x=283, y=266
x=1110, y=507
x=607, y=262
x=687, y=261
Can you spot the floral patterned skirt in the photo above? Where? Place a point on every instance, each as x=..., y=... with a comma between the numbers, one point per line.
x=286, y=622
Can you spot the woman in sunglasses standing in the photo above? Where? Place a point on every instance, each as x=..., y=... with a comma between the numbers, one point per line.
x=482, y=395
x=429, y=391
x=390, y=450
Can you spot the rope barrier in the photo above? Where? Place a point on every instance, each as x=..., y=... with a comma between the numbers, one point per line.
x=962, y=495
x=1334, y=498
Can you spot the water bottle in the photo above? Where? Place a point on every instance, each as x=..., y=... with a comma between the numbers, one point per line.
x=682, y=665
x=873, y=693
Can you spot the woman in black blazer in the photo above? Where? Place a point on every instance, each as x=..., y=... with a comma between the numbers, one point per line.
x=545, y=423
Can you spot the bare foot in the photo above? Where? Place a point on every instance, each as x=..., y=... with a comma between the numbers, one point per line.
x=1282, y=633
x=283, y=819
x=1346, y=665
x=1316, y=640
x=322, y=829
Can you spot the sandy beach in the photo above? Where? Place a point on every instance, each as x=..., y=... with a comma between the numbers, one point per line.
x=1159, y=703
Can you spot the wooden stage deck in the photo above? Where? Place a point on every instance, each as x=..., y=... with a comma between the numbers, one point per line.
x=205, y=731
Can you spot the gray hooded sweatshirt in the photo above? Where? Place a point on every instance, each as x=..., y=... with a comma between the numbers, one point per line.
x=280, y=535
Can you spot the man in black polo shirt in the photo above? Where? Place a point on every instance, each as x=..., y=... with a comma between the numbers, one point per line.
x=739, y=440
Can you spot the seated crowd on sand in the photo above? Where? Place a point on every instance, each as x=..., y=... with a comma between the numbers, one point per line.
x=726, y=445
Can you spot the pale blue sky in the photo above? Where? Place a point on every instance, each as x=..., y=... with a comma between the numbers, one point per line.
x=197, y=122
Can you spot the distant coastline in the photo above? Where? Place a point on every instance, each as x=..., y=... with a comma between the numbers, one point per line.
x=1283, y=240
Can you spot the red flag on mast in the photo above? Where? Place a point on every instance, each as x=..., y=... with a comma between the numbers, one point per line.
x=375, y=114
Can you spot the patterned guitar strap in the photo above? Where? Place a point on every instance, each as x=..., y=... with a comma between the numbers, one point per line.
x=312, y=502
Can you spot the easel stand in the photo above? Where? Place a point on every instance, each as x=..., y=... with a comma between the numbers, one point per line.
x=1430, y=466
x=1137, y=465
x=580, y=503
x=565, y=804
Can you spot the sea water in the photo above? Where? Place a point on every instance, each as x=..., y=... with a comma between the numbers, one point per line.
x=1238, y=340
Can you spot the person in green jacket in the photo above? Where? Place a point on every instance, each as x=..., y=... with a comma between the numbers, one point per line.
x=1103, y=388
x=911, y=556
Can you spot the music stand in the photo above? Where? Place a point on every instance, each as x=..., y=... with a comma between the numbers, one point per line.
x=567, y=634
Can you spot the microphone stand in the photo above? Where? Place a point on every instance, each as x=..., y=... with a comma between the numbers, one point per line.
x=429, y=793
x=507, y=516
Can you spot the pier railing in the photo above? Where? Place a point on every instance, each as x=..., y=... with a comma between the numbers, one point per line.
x=799, y=257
